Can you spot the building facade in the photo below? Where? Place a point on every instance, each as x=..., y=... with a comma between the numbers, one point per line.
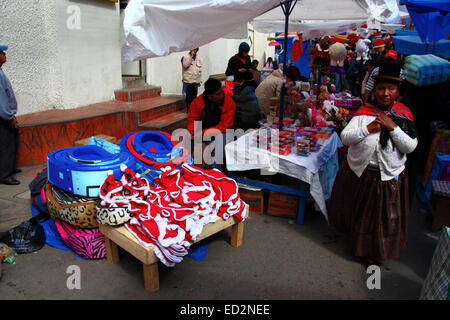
x=66, y=54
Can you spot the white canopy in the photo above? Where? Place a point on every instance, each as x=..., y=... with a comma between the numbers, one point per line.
x=315, y=18
x=159, y=27
x=319, y=10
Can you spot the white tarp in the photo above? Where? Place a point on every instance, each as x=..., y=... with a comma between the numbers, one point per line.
x=155, y=28
x=320, y=10
x=159, y=27
x=327, y=17
x=309, y=29
x=239, y=33
x=386, y=11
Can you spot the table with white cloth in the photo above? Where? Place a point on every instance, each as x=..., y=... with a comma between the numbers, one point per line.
x=318, y=169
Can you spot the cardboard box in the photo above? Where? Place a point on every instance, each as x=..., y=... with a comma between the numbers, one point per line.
x=85, y=141
x=282, y=205
x=254, y=199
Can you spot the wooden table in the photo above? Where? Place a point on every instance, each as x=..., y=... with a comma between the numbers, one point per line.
x=116, y=237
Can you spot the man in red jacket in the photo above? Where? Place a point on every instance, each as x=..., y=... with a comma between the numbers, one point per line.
x=215, y=109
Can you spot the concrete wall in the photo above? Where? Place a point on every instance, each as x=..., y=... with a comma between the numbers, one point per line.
x=29, y=29
x=90, y=56
x=59, y=58
x=166, y=71
x=67, y=53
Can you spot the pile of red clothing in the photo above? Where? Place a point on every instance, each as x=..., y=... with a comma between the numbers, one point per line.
x=173, y=213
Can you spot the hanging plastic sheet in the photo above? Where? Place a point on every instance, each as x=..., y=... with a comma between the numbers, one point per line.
x=431, y=18
x=159, y=27
x=410, y=43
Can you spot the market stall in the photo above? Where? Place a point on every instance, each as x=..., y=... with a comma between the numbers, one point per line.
x=317, y=169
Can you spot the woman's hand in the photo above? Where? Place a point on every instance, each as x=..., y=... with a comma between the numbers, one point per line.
x=374, y=126
x=386, y=122
x=242, y=70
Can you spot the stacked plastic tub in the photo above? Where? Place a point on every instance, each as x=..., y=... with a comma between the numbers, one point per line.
x=75, y=175
x=153, y=150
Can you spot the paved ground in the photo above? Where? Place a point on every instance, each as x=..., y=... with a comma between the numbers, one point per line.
x=278, y=260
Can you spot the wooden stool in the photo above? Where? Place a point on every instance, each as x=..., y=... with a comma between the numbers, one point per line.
x=440, y=204
x=120, y=237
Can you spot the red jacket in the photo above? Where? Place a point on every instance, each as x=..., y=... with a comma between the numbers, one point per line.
x=226, y=119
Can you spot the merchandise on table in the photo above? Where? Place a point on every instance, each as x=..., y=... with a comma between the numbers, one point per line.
x=173, y=212
x=276, y=141
x=310, y=140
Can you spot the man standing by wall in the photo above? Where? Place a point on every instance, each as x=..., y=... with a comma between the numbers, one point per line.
x=9, y=133
x=192, y=76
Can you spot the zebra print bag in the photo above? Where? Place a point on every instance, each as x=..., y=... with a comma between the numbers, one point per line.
x=87, y=243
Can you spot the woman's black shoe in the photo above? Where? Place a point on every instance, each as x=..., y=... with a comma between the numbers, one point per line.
x=10, y=181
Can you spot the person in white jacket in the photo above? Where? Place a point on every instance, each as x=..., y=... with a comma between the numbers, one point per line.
x=192, y=75
x=370, y=200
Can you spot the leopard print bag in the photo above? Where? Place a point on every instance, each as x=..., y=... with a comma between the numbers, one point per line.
x=73, y=209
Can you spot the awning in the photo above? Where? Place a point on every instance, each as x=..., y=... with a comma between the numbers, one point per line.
x=159, y=27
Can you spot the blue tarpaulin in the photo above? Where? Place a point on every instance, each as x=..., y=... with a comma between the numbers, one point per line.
x=409, y=42
x=303, y=63
x=430, y=17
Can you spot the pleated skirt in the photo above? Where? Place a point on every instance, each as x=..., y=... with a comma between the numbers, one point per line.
x=373, y=213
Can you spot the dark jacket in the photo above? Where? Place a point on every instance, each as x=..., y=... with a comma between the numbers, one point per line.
x=234, y=64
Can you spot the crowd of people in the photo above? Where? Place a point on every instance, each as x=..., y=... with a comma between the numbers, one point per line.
x=241, y=72
x=369, y=200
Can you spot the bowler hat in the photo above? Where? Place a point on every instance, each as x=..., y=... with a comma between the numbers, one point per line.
x=389, y=70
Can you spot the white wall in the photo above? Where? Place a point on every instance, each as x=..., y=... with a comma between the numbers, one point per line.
x=166, y=71
x=52, y=66
x=29, y=29
x=90, y=57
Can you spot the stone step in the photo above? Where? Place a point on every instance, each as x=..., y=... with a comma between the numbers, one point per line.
x=156, y=107
x=138, y=93
x=168, y=122
x=45, y=131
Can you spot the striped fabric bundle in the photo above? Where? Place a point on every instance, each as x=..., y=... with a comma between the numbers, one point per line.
x=424, y=70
